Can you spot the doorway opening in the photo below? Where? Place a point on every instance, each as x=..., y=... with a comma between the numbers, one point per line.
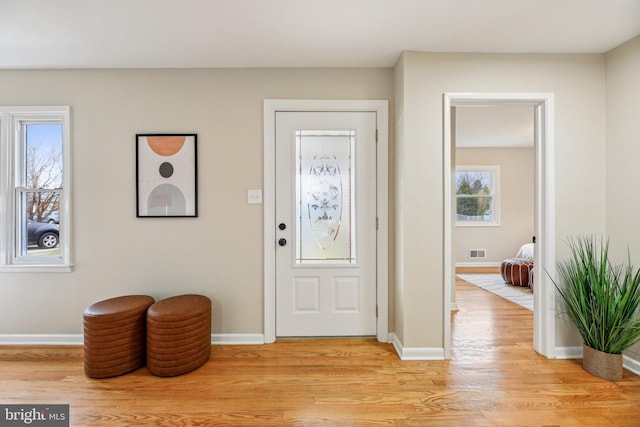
x=544, y=218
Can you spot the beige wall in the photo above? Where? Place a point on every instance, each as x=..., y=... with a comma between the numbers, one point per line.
x=578, y=84
x=623, y=153
x=219, y=254
x=516, y=205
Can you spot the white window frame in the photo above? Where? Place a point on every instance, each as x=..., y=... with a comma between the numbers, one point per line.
x=494, y=171
x=12, y=152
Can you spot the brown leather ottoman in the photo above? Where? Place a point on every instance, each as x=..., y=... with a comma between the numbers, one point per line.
x=178, y=335
x=515, y=271
x=114, y=335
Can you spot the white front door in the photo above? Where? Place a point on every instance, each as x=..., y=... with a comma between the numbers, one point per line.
x=325, y=223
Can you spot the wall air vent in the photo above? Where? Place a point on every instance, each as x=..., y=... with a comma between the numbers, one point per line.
x=477, y=253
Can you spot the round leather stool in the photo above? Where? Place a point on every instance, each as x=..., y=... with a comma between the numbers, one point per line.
x=114, y=335
x=515, y=271
x=178, y=335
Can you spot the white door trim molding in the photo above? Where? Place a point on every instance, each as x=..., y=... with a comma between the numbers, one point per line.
x=381, y=108
x=544, y=335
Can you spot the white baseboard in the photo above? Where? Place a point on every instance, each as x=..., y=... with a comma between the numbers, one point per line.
x=78, y=339
x=630, y=364
x=237, y=339
x=478, y=264
x=573, y=352
x=41, y=339
x=415, y=353
x=404, y=353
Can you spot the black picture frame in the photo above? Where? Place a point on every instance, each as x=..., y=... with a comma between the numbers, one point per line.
x=166, y=175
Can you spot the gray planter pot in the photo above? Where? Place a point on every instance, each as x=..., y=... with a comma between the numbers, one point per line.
x=603, y=365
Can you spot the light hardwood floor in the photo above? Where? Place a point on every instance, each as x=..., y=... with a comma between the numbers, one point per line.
x=493, y=379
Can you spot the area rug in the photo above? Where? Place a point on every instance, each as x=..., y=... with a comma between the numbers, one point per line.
x=496, y=285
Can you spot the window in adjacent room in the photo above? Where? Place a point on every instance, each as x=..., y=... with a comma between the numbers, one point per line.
x=477, y=195
x=34, y=188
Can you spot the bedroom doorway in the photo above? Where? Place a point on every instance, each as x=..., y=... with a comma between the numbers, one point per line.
x=543, y=182
x=494, y=197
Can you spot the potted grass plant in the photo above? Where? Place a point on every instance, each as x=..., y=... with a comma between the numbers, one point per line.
x=601, y=298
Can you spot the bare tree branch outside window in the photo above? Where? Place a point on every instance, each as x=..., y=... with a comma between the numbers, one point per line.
x=43, y=171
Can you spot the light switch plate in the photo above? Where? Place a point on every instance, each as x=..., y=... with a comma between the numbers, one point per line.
x=254, y=197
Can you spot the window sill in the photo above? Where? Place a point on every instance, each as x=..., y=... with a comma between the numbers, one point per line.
x=36, y=268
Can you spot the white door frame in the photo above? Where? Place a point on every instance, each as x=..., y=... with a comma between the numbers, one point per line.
x=381, y=108
x=544, y=315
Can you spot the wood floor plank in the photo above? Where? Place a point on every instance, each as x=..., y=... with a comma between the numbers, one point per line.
x=493, y=378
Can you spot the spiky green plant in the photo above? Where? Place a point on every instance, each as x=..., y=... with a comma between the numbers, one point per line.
x=600, y=298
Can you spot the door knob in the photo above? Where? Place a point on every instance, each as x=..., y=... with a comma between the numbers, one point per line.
x=282, y=242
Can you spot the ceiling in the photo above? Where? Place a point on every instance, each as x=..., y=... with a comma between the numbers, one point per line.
x=298, y=33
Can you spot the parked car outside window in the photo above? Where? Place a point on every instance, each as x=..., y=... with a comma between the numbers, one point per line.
x=42, y=234
x=52, y=218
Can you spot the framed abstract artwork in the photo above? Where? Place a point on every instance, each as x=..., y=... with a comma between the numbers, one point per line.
x=166, y=175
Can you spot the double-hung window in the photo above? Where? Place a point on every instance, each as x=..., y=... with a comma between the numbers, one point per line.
x=35, y=189
x=477, y=195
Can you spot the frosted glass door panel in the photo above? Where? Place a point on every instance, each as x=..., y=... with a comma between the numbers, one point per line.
x=325, y=209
